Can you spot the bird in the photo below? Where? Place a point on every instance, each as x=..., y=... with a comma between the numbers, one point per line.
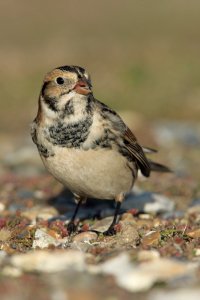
x=85, y=144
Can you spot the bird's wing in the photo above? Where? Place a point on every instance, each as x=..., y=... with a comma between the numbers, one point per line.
x=149, y=150
x=125, y=138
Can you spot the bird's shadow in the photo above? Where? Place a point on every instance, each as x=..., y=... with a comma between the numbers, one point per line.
x=94, y=208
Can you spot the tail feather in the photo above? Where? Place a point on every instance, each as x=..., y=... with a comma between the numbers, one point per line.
x=154, y=166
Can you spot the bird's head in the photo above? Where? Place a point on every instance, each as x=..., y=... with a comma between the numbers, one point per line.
x=63, y=83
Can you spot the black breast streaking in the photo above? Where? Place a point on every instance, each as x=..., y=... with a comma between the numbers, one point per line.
x=71, y=135
x=44, y=151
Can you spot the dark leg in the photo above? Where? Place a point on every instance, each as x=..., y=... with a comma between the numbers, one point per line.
x=111, y=230
x=71, y=227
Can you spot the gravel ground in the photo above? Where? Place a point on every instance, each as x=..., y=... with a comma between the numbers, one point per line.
x=154, y=255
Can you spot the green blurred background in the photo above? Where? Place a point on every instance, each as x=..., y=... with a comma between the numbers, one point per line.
x=142, y=55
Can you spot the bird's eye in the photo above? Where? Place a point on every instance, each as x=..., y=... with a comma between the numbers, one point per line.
x=60, y=80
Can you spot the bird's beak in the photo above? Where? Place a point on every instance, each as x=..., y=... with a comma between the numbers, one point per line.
x=83, y=87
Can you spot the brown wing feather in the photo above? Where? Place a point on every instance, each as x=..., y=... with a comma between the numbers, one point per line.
x=128, y=140
x=136, y=150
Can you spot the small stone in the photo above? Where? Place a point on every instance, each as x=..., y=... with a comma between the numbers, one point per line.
x=3, y=255
x=83, y=241
x=44, y=240
x=173, y=214
x=194, y=233
x=85, y=237
x=102, y=225
x=144, y=223
x=197, y=252
x=11, y=272
x=194, y=210
x=145, y=255
x=156, y=222
x=195, y=202
x=40, y=212
x=148, y=202
x=47, y=262
x=5, y=234
x=2, y=207
x=128, y=233
x=145, y=216
x=7, y=248
x=151, y=238
x=184, y=293
x=143, y=276
x=127, y=216
x=39, y=195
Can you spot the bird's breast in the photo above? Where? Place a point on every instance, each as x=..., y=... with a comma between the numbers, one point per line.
x=99, y=173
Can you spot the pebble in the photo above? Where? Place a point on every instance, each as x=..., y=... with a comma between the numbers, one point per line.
x=136, y=278
x=43, y=240
x=151, y=238
x=48, y=261
x=128, y=233
x=127, y=217
x=195, y=202
x=83, y=241
x=2, y=207
x=5, y=234
x=3, y=255
x=148, y=202
x=194, y=233
x=197, y=252
x=173, y=214
x=11, y=272
x=144, y=223
x=102, y=225
x=40, y=195
x=145, y=255
x=194, y=210
x=25, y=194
x=85, y=237
x=40, y=212
x=177, y=294
x=145, y=217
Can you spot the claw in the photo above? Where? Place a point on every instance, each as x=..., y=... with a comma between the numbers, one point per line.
x=110, y=231
x=71, y=227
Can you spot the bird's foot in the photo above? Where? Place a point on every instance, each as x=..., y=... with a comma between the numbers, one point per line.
x=110, y=231
x=71, y=227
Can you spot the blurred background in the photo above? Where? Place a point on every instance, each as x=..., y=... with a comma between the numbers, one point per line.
x=143, y=57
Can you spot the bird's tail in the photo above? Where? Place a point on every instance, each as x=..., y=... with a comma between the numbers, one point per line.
x=154, y=166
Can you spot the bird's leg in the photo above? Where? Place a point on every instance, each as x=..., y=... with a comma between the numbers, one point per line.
x=111, y=230
x=71, y=227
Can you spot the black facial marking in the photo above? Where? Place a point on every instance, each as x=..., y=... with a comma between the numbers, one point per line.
x=67, y=68
x=81, y=70
x=69, y=109
x=89, y=103
x=69, y=135
x=44, y=151
x=44, y=87
x=75, y=69
x=51, y=103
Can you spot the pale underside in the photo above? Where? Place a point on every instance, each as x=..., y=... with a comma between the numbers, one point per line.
x=102, y=173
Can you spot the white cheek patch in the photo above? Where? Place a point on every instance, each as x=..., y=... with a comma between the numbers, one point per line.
x=64, y=99
x=49, y=113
